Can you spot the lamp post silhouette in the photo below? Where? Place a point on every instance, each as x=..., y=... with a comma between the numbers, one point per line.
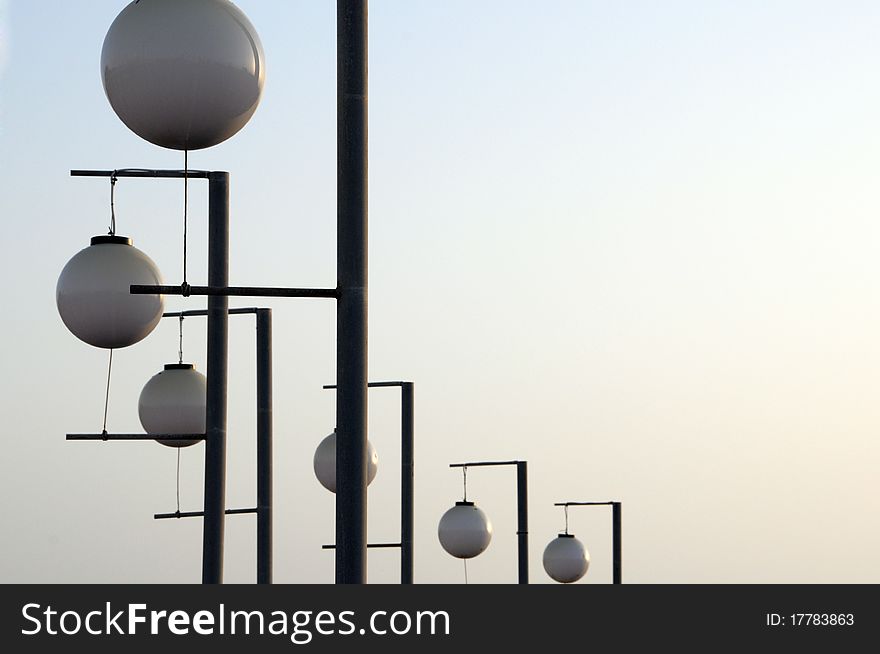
x=263, y=510
x=522, y=510
x=616, y=545
x=137, y=68
x=407, y=475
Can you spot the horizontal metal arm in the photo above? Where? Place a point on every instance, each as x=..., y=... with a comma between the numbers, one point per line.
x=369, y=545
x=135, y=437
x=198, y=514
x=195, y=313
x=384, y=384
x=585, y=503
x=476, y=464
x=143, y=172
x=231, y=291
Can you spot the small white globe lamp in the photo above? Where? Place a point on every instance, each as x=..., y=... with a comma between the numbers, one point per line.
x=184, y=75
x=173, y=402
x=325, y=462
x=464, y=531
x=93, y=295
x=566, y=559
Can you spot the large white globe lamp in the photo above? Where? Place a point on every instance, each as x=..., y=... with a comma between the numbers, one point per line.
x=184, y=74
x=464, y=531
x=325, y=462
x=566, y=559
x=93, y=295
x=173, y=402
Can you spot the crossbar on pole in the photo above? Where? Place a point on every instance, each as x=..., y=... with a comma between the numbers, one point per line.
x=232, y=291
x=198, y=514
x=135, y=437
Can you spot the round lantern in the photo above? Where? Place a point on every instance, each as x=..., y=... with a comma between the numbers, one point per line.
x=325, y=462
x=566, y=559
x=173, y=402
x=93, y=295
x=464, y=531
x=183, y=75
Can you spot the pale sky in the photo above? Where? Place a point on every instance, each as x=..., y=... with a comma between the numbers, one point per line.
x=633, y=243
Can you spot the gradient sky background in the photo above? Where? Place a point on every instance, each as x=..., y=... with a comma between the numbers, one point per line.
x=634, y=243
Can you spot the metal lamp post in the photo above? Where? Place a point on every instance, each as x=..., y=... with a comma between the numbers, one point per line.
x=522, y=509
x=407, y=472
x=616, y=528
x=351, y=308
x=217, y=355
x=263, y=510
x=123, y=52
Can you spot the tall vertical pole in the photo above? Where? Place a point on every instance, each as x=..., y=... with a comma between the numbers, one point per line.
x=407, y=472
x=522, y=525
x=264, y=446
x=616, y=544
x=218, y=346
x=351, y=313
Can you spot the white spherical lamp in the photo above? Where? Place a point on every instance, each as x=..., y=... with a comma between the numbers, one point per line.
x=173, y=402
x=184, y=75
x=324, y=462
x=93, y=295
x=566, y=559
x=464, y=531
